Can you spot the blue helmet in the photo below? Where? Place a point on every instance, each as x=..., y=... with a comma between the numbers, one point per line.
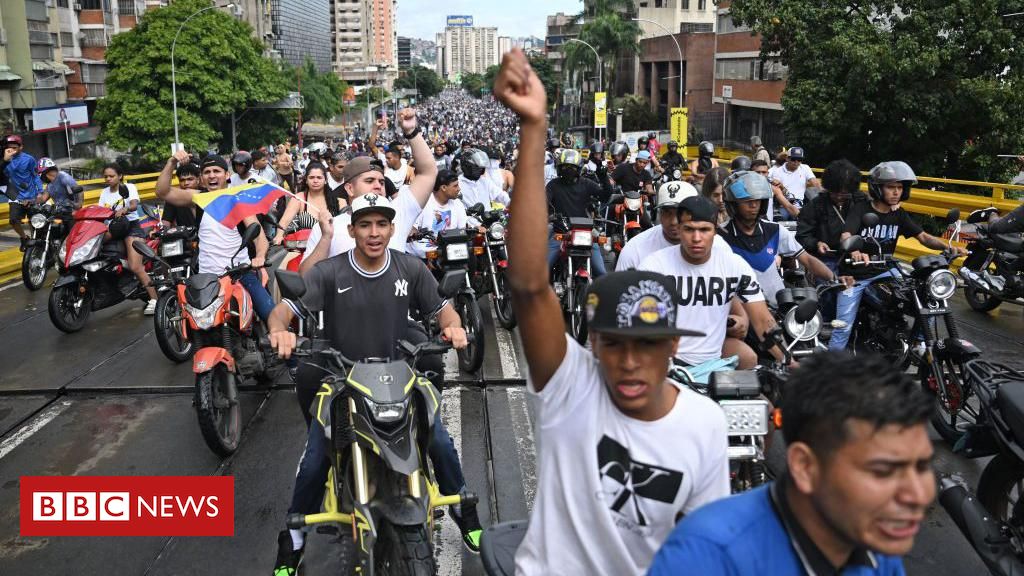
x=744, y=185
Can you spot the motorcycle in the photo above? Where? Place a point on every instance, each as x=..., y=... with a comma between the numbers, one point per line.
x=626, y=209
x=993, y=272
x=993, y=522
x=803, y=338
x=572, y=273
x=94, y=273
x=231, y=343
x=490, y=277
x=378, y=416
x=452, y=255
x=920, y=291
x=794, y=274
x=179, y=246
x=48, y=227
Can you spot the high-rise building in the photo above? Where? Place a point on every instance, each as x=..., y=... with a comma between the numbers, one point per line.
x=365, y=40
x=404, y=53
x=505, y=44
x=560, y=29
x=302, y=31
x=467, y=49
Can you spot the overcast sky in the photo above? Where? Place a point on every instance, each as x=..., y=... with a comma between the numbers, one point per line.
x=425, y=18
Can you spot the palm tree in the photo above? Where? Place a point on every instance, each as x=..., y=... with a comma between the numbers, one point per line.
x=605, y=25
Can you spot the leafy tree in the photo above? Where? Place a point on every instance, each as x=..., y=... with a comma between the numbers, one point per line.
x=936, y=83
x=423, y=79
x=491, y=74
x=220, y=69
x=637, y=113
x=322, y=93
x=542, y=67
x=473, y=82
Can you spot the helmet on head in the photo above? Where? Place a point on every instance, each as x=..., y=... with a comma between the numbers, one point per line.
x=641, y=142
x=743, y=186
x=740, y=163
x=553, y=143
x=892, y=171
x=317, y=150
x=706, y=149
x=671, y=194
x=242, y=158
x=45, y=164
x=473, y=163
x=12, y=140
x=620, y=149
x=652, y=135
x=567, y=164
x=673, y=145
x=596, y=148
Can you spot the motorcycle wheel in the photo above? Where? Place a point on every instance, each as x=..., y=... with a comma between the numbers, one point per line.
x=980, y=301
x=220, y=420
x=404, y=551
x=472, y=356
x=168, y=331
x=343, y=548
x=33, y=267
x=576, y=317
x=62, y=307
x=1000, y=487
x=503, y=304
x=950, y=427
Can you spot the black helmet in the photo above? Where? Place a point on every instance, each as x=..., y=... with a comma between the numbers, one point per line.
x=243, y=158
x=652, y=135
x=673, y=145
x=706, y=149
x=553, y=143
x=744, y=185
x=641, y=142
x=596, y=148
x=473, y=164
x=892, y=171
x=740, y=163
x=620, y=149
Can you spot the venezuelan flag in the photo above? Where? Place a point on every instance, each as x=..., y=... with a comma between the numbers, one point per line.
x=232, y=205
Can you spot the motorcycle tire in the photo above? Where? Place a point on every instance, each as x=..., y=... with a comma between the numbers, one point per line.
x=576, y=315
x=60, y=307
x=343, y=549
x=503, y=304
x=404, y=551
x=950, y=431
x=980, y=301
x=220, y=421
x=33, y=276
x=998, y=480
x=168, y=333
x=472, y=356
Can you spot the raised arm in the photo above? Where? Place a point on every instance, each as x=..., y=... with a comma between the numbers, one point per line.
x=164, y=190
x=540, y=316
x=422, y=184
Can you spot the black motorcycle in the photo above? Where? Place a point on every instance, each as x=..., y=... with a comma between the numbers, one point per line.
x=490, y=269
x=572, y=273
x=994, y=522
x=178, y=250
x=48, y=227
x=453, y=254
x=993, y=272
x=919, y=292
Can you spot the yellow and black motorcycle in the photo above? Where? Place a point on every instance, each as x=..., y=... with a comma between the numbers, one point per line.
x=378, y=416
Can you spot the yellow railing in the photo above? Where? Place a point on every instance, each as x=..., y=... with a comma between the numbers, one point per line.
x=146, y=183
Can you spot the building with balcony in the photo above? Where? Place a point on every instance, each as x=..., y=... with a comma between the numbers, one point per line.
x=365, y=41
x=463, y=49
x=676, y=16
x=560, y=29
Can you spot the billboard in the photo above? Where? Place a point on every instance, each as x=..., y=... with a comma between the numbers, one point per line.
x=53, y=118
x=460, y=21
x=600, y=110
x=679, y=122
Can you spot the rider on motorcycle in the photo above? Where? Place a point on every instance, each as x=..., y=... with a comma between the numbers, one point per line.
x=618, y=154
x=242, y=172
x=476, y=188
x=59, y=186
x=570, y=196
x=665, y=234
x=889, y=186
x=442, y=212
x=375, y=288
x=595, y=159
x=604, y=417
x=704, y=162
x=672, y=159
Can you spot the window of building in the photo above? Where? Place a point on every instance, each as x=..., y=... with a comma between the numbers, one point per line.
x=738, y=69
x=93, y=38
x=686, y=4
x=66, y=41
x=62, y=3
x=726, y=25
x=91, y=4
x=773, y=70
x=702, y=4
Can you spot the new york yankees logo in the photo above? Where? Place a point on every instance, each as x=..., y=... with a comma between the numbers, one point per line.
x=401, y=287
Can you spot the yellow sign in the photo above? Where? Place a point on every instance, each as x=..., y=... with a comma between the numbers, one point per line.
x=600, y=110
x=679, y=120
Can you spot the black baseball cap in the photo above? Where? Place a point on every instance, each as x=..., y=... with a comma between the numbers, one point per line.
x=214, y=160
x=700, y=209
x=635, y=303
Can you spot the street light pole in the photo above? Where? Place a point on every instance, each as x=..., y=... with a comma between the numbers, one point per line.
x=680, y=51
x=600, y=74
x=174, y=78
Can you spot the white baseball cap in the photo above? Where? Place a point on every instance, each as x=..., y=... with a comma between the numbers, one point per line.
x=368, y=203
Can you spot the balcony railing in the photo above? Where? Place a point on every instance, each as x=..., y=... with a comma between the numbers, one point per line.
x=126, y=7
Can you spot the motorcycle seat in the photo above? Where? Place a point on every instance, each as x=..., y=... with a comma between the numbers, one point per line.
x=1008, y=242
x=498, y=547
x=1010, y=398
x=577, y=223
x=114, y=248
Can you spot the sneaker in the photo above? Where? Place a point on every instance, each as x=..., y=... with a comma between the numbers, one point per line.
x=150, y=308
x=469, y=524
x=288, y=558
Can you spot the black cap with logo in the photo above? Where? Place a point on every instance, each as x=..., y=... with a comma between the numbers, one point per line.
x=635, y=303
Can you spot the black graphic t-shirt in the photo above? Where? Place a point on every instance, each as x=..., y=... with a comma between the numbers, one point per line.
x=610, y=488
x=891, y=225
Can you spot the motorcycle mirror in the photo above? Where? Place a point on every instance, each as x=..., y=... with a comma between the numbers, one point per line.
x=77, y=189
x=291, y=284
x=853, y=243
x=250, y=234
x=451, y=283
x=148, y=210
x=869, y=220
x=806, y=310
x=953, y=215
x=141, y=247
x=477, y=208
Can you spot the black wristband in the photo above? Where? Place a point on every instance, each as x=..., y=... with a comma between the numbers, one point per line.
x=413, y=134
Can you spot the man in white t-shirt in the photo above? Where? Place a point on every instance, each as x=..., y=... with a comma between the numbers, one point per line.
x=475, y=186
x=709, y=279
x=665, y=234
x=442, y=212
x=794, y=177
x=363, y=175
x=611, y=486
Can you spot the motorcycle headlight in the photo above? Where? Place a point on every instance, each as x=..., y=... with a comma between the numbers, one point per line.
x=387, y=411
x=633, y=204
x=94, y=266
x=63, y=252
x=455, y=252
x=677, y=174
x=582, y=238
x=171, y=249
x=798, y=331
x=38, y=221
x=746, y=417
x=204, y=317
x=497, y=231
x=86, y=251
x=941, y=284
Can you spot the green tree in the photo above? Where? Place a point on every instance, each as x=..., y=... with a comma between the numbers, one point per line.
x=491, y=74
x=423, y=79
x=936, y=83
x=322, y=93
x=542, y=67
x=637, y=113
x=473, y=82
x=220, y=69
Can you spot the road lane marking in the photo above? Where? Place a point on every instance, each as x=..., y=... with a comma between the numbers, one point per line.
x=448, y=546
x=526, y=450
x=36, y=424
x=9, y=286
x=451, y=366
x=506, y=350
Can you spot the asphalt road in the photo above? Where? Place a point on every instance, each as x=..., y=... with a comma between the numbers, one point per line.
x=105, y=401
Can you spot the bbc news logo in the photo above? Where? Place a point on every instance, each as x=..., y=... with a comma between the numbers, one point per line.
x=127, y=506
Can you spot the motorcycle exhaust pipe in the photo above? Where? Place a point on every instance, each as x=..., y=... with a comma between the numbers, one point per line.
x=979, y=527
x=974, y=279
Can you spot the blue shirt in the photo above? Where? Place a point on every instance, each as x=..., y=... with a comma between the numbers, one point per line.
x=22, y=181
x=745, y=534
x=60, y=190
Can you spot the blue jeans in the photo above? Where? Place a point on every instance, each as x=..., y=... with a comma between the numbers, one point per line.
x=846, y=309
x=596, y=257
x=827, y=301
x=261, y=299
x=311, y=477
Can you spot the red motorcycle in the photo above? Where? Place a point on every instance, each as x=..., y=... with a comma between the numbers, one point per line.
x=94, y=272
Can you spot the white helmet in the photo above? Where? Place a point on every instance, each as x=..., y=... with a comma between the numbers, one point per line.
x=671, y=194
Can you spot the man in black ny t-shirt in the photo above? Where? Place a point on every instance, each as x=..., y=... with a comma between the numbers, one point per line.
x=366, y=295
x=888, y=185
